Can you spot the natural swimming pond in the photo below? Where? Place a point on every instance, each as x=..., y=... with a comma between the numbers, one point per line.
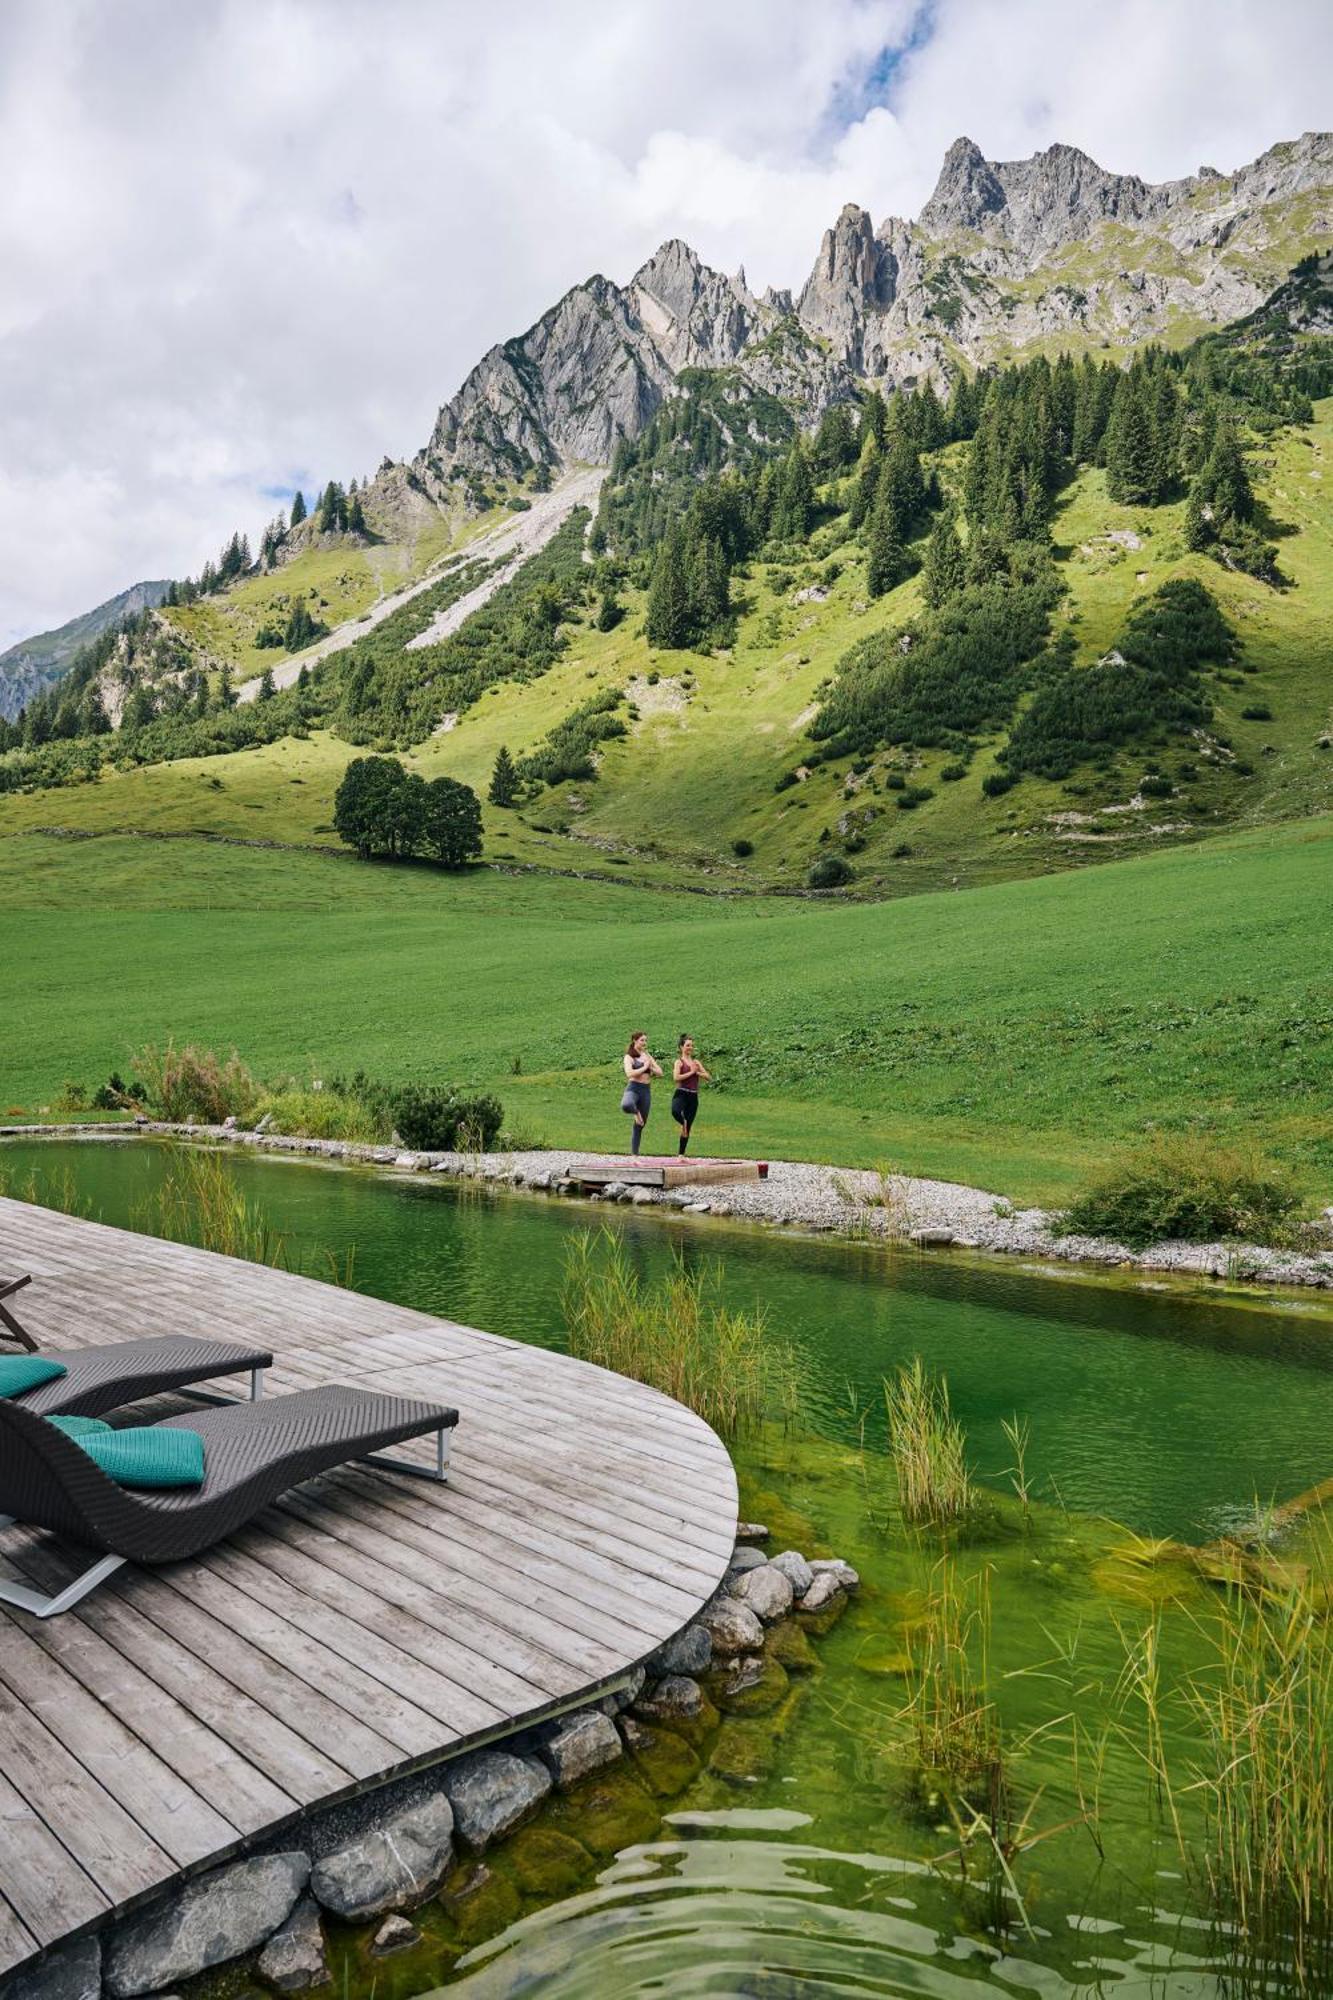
x=803, y=1867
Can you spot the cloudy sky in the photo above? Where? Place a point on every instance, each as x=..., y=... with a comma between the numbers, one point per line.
x=250, y=244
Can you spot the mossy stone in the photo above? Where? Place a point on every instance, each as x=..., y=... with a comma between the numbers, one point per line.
x=744, y=1750
x=786, y=1643
x=546, y=1862
x=608, y=1811
x=823, y=1620
x=481, y=1904
x=665, y=1761
x=768, y=1693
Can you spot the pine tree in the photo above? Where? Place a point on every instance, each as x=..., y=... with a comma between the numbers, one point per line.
x=902, y=480
x=1226, y=482
x=835, y=441
x=885, y=562
x=1197, y=528
x=794, y=506
x=267, y=686
x=298, y=508
x=226, y=692
x=356, y=518
x=668, y=617
x=1132, y=461
x=874, y=420
x=504, y=779
x=945, y=571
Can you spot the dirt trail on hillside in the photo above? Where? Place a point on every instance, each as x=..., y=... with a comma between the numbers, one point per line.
x=507, y=544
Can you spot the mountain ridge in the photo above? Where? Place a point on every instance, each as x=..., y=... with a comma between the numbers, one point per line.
x=1005, y=256
x=33, y=664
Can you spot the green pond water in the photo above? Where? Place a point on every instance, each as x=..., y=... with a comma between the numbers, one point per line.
x=802, y=1862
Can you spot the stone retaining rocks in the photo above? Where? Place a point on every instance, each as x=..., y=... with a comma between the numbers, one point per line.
x=822, y=1592
x=394, y=1934
x=846, y=1577
x=221, y=1916
x=293, y=1959
x=690, y=1652
x=798, y=1572
x=491, y=1792
x=394, y=1867
x=578, y=1744
x=732, y=1626
x=766, y=1592
x=746, y=1559
x=677, y=1698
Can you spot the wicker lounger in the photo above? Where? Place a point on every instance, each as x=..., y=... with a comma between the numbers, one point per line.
x=254, y=1452
x=98, y=1379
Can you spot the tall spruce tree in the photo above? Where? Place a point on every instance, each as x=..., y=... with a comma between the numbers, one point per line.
x=503, y=788
x=668, y=617
x=886, y=564
x=298, y=508
x=945, y=570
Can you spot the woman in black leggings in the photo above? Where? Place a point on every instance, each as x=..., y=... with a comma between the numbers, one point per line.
x=637, y=1101
x=685, y=1097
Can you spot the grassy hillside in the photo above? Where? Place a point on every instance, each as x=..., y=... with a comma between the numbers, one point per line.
x=715, y=732
x=1006, y=1035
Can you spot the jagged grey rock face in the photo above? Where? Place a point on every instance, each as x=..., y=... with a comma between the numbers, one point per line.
x=1004, y=253
x=395, y=1867
x=220, y=1917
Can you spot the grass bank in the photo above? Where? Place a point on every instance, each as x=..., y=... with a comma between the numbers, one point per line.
x=1004, y=1036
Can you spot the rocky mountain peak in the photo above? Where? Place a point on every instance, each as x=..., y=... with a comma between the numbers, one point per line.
x=966, y=192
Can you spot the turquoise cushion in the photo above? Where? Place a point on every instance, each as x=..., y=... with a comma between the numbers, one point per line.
x=148, y=1455
x=79, y=1427
x=25, y=1371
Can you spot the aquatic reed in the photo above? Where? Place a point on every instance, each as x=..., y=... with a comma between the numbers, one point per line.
x=1267, y=1788
x=928, y=1449
x=676, y=1334
x=201, y=1202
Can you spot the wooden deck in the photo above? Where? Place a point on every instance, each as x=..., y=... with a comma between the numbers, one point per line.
x=364, y=1626
x=664, y=1171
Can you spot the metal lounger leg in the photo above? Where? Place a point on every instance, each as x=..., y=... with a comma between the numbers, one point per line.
x=256, y=1384
x=7, y=1319
x=439, y=1471
x=51, y=1607
x=212, y=1396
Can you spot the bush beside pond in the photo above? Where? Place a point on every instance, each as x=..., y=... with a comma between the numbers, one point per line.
x=1189, y=1190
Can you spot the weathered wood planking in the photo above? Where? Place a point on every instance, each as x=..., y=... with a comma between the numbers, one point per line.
x=364, y=1625
x=665, y=1171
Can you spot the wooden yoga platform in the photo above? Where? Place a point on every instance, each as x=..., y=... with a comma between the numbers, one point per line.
x=664, y=1171
x=365, y=1626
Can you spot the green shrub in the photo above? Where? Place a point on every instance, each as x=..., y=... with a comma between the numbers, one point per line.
x=1258, y=711
x=325, y=1114
x=439, y=1121
x=1188, y=1190
x=829, y=872
x=742, y=847
x=951, y=773
x=192, y=1085
x=996, y=783
x=1156, y=786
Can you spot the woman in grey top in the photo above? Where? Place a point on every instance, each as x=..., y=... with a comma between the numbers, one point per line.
x=637, y=1101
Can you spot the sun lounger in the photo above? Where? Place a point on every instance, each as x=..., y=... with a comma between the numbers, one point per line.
x=253, y=1453
x=98, y=1379
x=12, y=1329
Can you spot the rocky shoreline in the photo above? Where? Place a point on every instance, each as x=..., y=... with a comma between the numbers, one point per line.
x=425, y=1867
x=838, y=1201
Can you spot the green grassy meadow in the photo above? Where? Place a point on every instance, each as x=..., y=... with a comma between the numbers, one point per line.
x=1007, y=1035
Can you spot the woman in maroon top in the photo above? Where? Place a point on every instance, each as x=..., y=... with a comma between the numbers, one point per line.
x=685, y=1075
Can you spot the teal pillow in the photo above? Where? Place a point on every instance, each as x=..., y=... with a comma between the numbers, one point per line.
x=148, y=1455
x=79, y=1427
x=26, y=1371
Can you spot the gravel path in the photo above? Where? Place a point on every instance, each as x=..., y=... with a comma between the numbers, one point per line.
x=843, y=1201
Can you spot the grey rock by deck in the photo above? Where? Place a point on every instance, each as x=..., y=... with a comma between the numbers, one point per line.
x=578, y=1744
x=394, y=1867
x=796, y=1569
x=766, y=1592
x=491, y=1792
x=293, y=1959
x=675, y=1699
x=688, y=1652
x=744, y=1559
x=220, y=1917
x=821, y=1592
x=732, y=1626
x=847, y=1577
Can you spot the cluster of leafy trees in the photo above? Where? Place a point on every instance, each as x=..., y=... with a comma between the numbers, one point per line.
x=382, y=808
x=569, y=750
x=1148, y=684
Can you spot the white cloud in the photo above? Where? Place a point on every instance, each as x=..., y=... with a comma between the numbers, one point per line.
x=247, y=242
